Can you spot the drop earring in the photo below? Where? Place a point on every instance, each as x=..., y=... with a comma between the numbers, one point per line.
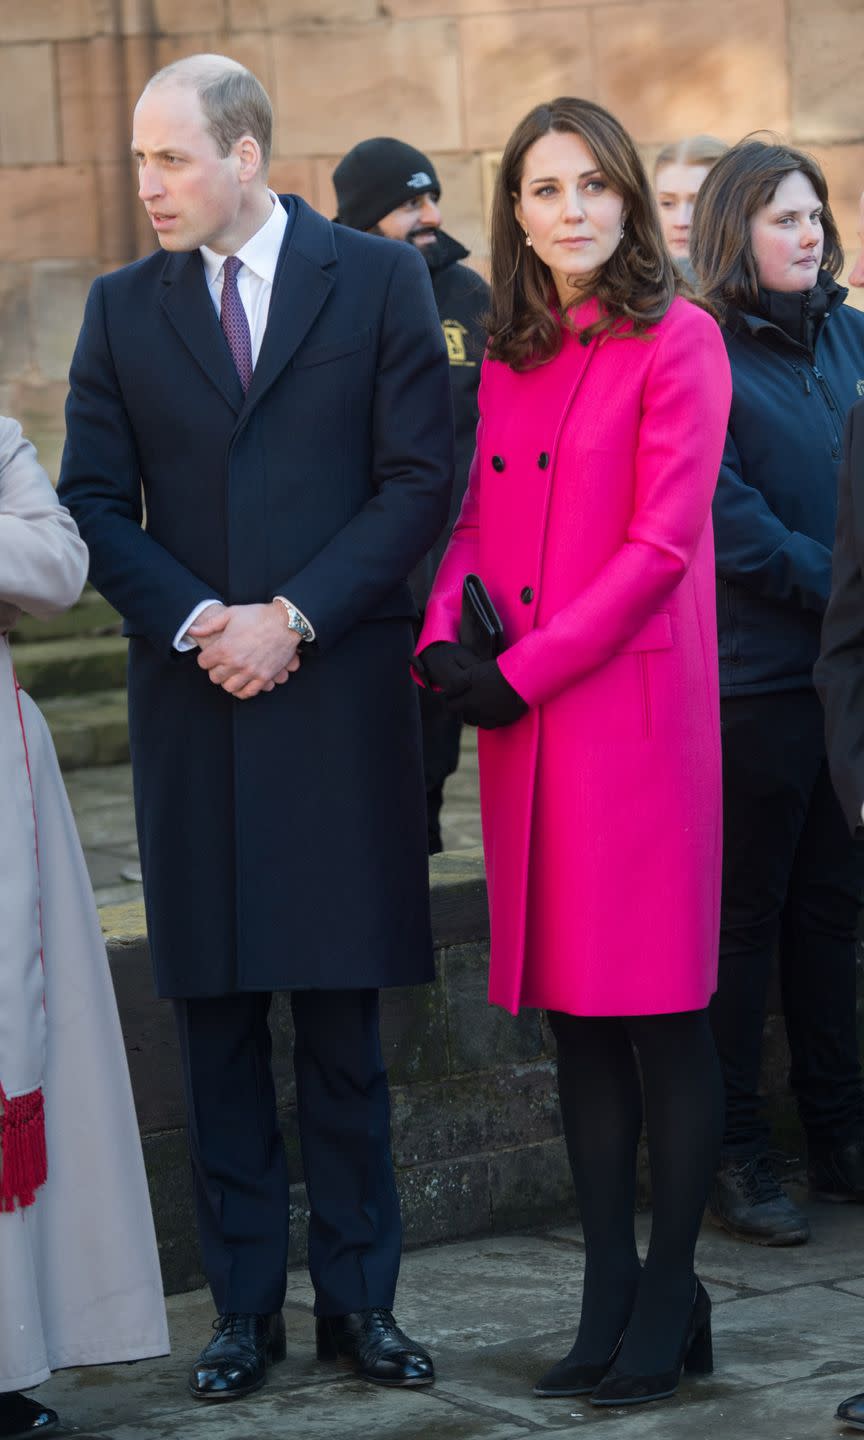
x=528, y=241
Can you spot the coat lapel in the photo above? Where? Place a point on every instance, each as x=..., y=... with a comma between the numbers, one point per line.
x=300, y=288
x=188, y=306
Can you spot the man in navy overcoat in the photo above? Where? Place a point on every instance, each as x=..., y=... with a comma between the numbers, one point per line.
x=259, y=449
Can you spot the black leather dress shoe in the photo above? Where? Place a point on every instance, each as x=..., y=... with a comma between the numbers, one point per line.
x=236, y=1360
x=371, y=1342
x=851, y=1412
x=837, y=1174
x=21, y=1416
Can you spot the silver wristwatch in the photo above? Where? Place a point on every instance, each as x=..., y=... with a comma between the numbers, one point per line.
x=296, y=621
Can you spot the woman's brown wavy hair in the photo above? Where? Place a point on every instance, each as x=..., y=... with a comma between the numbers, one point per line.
x=741, y=182
x=636, y=285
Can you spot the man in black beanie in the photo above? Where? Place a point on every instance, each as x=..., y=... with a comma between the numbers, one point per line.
x=388, y=188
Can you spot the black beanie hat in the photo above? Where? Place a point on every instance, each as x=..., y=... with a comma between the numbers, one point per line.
x=377, y=176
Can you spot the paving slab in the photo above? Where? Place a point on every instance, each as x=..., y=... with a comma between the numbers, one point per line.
x=835, y=1251
x=493, y=1311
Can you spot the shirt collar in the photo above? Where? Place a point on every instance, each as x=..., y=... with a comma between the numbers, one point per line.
x=261, y=253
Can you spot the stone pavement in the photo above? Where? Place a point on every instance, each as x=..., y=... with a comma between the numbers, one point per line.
x=101, y=799
x=788, y=1343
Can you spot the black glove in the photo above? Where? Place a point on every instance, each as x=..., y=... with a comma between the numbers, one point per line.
x=489, y=700
x=446, y=666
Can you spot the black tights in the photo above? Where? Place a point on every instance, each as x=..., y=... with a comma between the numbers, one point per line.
x=601, y=1106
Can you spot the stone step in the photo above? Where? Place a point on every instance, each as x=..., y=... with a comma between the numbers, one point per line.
x=75, y=666
x=89, y=729
x=91, y=616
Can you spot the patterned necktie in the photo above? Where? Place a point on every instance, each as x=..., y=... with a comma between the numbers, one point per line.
x=234, y=322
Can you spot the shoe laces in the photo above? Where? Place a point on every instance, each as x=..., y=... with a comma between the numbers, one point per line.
x=758, y=1180
x=228, y=1324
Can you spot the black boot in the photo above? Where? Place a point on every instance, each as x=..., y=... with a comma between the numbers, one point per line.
x=837, y=1173
x=747, y=1200
x=236, y=1360
x=697, y=1357
x=373, y=1345
x=22, y=1416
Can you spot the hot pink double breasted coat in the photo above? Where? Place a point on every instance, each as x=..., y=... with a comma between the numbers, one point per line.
x=588, y=516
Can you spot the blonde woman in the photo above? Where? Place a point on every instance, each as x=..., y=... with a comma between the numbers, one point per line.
x=679, y=170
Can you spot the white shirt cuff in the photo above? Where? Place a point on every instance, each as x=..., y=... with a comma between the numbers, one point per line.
x=179, y=642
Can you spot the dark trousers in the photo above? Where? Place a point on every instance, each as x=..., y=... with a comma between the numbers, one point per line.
x=239, y=1168
x=441, y=733
x=792, y=883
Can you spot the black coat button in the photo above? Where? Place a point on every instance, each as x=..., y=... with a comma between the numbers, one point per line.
x=543, y=460
x=527, y=595
x=498, y=462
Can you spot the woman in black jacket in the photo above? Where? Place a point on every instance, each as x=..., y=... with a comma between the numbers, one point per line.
x=765, y=246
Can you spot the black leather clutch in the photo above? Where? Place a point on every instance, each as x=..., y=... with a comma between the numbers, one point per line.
x=480, y=628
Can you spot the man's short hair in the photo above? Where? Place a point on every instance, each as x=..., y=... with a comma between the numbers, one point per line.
x=234, y=101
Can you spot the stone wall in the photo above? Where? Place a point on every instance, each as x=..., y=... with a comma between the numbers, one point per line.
x=451, y=76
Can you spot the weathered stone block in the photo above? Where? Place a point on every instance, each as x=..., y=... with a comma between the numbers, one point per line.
x=531, y=1185
x=254, y=50
x=28, y=115
x=462, y=199
x=335, y=87
x=827, y=54
x=181, y=17
x=16, y=351
x=475, y=1114
x=280, y=14
x=511, y=62
x=669, y=68
x=443, y=1199
x=293, y=177
x=482, y=1035
x=416, y=9
x=58, y=294
x=48, y=212
x=166, y=1157
x=298, y=1226
x=54, y=19
x=150, y=1038
x=39, y=408
x=460, y=909
x=844, y=170
x=74, y=87
x=61, y=666
x=414, y=1033
x=322, y=171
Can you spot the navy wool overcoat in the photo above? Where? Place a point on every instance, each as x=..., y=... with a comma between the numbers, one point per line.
x=283, y=839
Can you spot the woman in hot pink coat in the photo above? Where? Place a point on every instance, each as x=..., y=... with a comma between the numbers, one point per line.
x=603, y=401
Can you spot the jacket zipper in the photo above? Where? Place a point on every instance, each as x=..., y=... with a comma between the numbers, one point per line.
x=830, y=402
x=825, y=391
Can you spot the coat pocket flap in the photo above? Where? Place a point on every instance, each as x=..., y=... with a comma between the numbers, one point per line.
x=656, y=634
x=333, y=350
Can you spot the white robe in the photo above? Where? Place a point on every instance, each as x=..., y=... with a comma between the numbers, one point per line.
x=79, y=1269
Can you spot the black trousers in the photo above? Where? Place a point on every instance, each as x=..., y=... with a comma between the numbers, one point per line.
x=792, y=882
x=238, y=1159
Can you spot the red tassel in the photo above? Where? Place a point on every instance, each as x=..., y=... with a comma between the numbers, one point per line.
x=23, y=1157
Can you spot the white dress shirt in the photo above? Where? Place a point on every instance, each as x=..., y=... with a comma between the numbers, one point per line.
x=259, y=257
